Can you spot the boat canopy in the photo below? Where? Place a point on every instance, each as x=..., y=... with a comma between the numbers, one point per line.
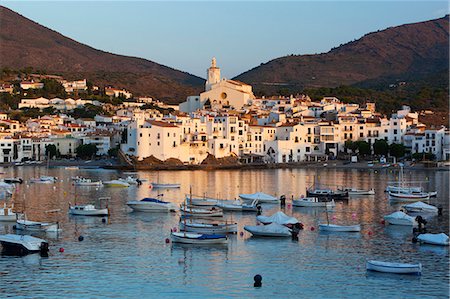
x=434, y=238
x=400, y=215
x=279, y=217
x=258, y=195
x=273, y=228
x=421, y=205
x=148, y=199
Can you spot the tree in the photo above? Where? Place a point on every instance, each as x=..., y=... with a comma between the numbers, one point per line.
x=353, y=146
x=86, y=151
x=380, y=147
x=397, y=150
x=53, y=88
x=113, y=152
x=363, y=147
x=51, y=150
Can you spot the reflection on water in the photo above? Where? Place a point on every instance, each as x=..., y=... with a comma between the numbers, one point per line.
x=127, y=256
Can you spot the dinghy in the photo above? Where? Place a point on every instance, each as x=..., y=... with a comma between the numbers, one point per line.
x=400, y=218
x=238, y=206
x=420, y=207
x=198, y=212
x=116, y=183
x=279, y=217
x=260, y=196
x=356, y=192
x=36, y=226
x=398, y=268
x=209, y=228
x=270, y=230
x=340, y=228
x=408, y=195
x=87, y=182
x=23, y=244
x=151, y=205
x=201, y=239
x=44, y=179
x=87, y=210
x=312, y=202
x=434, y=239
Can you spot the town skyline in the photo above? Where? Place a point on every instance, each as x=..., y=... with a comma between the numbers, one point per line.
x=187, y=47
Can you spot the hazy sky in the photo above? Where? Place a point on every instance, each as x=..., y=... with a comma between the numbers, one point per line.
x=185, y=35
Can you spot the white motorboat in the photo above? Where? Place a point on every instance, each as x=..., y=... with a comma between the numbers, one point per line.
x=87, y=182
x=408, y=195
x=116, y=183
x=279, y=217
x=194, y=238
x=356, y=192
x=165, y=186
x=312, y=202
x=260, y=196
x=434, y=239
x=270, y=230
x=209, y=228
x=198, y=212
x=398, y=268
x=22, y=224
x=340, y=228
x=151, y=205
x=400, y=218
x=88, y=210
x=23, y=244
x=7, y=214
x=420, y=207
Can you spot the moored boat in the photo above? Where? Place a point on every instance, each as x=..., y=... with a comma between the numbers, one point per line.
x=356, y=192
x=312, y=202
x=209, y=228
x=199, y=212
x=165, y=186
x=23, y=244
x=279, y=217
x=44, y=179
x=400, y=218
x=340, y=228
x=17, y=180
x=420, y=207
x=151, y=205
x=327, y=193
x=116, y=183
x=260, y=196
x=270, y=230
x=87, y=210
x=22, y=224
x=87, y=182
x=434, y=239
x=408, y=195
x=7, y=213
x=199, y=239
x=398, y=268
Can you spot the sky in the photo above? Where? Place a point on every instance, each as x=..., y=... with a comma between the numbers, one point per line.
x=241, y=35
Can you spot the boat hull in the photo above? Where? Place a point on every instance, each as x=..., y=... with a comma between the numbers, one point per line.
x=339, y=228
x=165, y=186
x=257, y=233
x=332, y=195
x=97, y=212
x=189, y=238
x=307, y=203
x=151, y=207
x=395, y=221
x=37, y=227
x=396, y=268
x=209, y=228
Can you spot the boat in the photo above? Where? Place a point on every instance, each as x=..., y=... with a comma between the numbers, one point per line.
x=400, y=218
x=165, y=186
x=398, y=188
x=355, y=192
x=23, y=244
x=279, y=217
x=151, y=205
x=339, y=228
x=270, y=230
x=238, y=206
x=7, y=214
x=13, y=180
x=209, y=228
x=398, y=268
x=434, y=239
x=44, y=179
x=420, y=207
x=199, y=212
x=312, y=202
x=88, y=210
x=8, y=188
x=194, y=238
x=116, y=183
x=328, y=193
x=71, y=167
x=23, y=224
x=260, y=196
x=408, y=195
x=130, y=180
x=87, y=182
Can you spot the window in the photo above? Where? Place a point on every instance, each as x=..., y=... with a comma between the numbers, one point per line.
x=240, y=132
x=296, y=139
x=158, y=143
x=361, y=134
x=395, y=123
x=158, y=136
x=395, y=131
x=309, y=130
x=140, y=135
x=174, y=144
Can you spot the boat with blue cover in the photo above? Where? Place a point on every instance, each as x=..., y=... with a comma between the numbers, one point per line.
x=194, y=238
x=151, y=205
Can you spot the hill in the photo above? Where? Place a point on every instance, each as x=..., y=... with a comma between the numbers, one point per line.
x=25, y=43
x=411, y=52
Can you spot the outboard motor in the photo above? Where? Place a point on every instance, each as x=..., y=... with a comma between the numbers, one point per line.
x=283, y=201
x=44, y=249
x=440, y=208
x=421, y=222
x=258, y=209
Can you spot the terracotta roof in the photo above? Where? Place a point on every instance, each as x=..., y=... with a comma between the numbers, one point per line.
x=162, y=124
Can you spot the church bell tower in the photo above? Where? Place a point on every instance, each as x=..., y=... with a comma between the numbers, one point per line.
x=213, y=75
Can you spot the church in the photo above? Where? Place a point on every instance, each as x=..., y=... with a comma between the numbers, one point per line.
x=219, y=93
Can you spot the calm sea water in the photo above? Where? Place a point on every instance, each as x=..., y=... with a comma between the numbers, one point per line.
x=127, y=256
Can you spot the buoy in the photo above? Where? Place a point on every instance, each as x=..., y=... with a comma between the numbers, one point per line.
x=241, y=234
x=289, y=205
x=334, y=217
x=167, y=241
x=369, y=233
x=54, y=187
x=354, y=215
x=174, y=229
x=258, y=281
x=80, y=238
x=382, y=221
x=61, y=249
x=312, y=228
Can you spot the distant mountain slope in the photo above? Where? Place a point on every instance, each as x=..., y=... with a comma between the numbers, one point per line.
x=403, y=53
x=24, y=43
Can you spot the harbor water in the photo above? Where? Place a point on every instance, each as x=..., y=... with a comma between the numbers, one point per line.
x=126, y=256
